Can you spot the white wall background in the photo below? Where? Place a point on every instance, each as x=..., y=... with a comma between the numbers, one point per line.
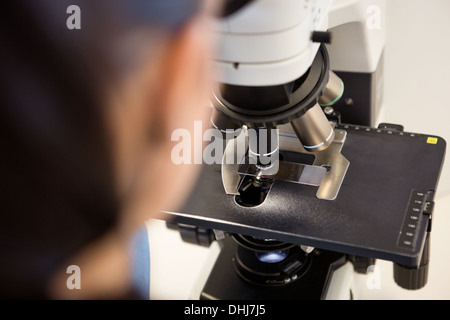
x=417, y=69
x=417, y=87
x=417, y=79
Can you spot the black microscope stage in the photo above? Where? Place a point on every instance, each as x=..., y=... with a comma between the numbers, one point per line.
x=383, y=209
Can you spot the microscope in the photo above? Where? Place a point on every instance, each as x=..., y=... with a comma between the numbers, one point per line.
x=309, y=191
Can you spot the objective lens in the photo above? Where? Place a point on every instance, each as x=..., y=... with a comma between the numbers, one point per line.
x=224, y=123
x=263, y=146
x=272, y=256
x=314, y=130
x=333, y=91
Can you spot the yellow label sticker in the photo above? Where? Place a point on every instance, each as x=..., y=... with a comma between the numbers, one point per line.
x=432, y=140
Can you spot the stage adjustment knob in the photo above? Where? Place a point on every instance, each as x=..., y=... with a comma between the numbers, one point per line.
x=414, y=278
x=362, y=265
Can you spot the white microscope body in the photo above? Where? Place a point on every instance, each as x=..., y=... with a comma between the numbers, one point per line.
x=269, y=43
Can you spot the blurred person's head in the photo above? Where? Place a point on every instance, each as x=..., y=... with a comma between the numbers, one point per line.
x=85, y=125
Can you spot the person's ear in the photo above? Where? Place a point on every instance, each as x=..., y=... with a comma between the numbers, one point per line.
x=179, y=95
x=184, y=78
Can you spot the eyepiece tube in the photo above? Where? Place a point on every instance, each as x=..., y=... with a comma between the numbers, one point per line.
x=314, y=130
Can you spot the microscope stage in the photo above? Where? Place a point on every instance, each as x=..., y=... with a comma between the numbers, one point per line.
x=383, y=209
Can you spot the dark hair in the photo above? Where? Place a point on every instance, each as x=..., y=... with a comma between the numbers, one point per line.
x=58, y=190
